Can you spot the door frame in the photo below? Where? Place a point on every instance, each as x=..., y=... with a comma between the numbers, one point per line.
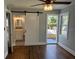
x=57, y=28
x=10, y=28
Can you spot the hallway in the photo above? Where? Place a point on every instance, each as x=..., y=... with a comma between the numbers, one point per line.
x=40, y=52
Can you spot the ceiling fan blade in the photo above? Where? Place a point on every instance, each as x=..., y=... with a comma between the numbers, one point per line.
x=58, y=2
x=46, y=0
x=43, y=0
x=38, y=4
x=54, y=2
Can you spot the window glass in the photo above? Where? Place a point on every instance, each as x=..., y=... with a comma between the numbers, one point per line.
x=65, y=20
x=64, y=24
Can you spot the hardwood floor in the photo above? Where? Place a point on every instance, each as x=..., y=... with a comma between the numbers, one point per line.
x=40, y=52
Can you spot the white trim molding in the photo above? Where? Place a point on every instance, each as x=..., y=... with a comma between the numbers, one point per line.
x=13, y=44
x=5, y=55
x=31, y=44
x=36, y=43
x=66, y=48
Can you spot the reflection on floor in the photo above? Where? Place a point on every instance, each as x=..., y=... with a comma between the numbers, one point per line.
x=51, y=40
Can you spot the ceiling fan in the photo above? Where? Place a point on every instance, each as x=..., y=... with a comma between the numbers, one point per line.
x=48, y=4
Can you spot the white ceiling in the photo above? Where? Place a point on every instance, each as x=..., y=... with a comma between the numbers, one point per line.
x=28, y=3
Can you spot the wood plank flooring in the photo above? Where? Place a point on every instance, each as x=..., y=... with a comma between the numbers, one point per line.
x=40, y=52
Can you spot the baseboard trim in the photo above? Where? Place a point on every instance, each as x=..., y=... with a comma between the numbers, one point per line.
x=5, y=55
x=38, y=43
x=13, y=44
x=66, y=48
x=30, y=44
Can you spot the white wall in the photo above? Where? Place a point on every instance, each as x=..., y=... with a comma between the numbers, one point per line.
x=69, y=42
x=42, y=27
x=6, y=38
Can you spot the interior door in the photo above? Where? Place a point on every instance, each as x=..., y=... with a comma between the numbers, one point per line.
x=32, y=28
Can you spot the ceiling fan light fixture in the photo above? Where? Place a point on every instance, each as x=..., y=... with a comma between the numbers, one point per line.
x=48, y=7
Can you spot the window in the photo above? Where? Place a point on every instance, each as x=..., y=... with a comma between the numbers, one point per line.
x=64, y=23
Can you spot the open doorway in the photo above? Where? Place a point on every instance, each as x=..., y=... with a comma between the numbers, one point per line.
x=19, y=30
x=52, y=22
x=8, y=27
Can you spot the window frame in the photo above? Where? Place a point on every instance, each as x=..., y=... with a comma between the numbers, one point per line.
x=61, y=24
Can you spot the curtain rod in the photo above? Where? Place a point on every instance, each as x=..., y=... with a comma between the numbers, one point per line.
x=25, y=12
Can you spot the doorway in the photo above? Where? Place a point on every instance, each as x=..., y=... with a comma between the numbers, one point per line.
x=8, y=27
x=19, y=30
x=52, y=25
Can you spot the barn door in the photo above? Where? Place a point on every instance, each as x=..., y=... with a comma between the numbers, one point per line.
x=32, y=28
